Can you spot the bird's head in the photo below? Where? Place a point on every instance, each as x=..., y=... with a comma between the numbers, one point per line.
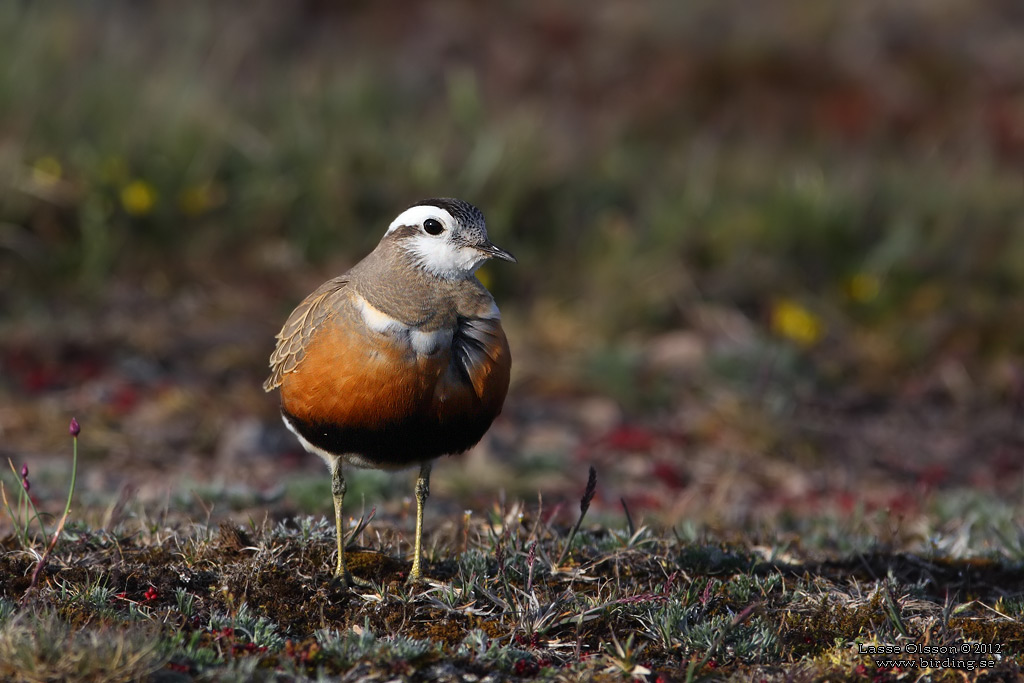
x=445, y=237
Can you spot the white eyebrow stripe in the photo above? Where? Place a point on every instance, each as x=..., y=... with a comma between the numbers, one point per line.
x=415, y=215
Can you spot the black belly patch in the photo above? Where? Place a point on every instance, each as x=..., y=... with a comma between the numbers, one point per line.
x=400, y=444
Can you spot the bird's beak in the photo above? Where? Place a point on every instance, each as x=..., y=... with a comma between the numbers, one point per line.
x=495, y=252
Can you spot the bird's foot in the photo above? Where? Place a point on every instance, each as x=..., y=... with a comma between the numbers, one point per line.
x=416, y=580
x=349, y=581
x=416, y=576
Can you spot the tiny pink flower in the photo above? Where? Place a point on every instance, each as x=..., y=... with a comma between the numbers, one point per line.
x=74, y=429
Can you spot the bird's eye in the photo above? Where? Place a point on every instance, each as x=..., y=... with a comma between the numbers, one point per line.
x=433, y=226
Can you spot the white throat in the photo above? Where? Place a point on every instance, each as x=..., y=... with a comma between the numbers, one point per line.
x=442, y=258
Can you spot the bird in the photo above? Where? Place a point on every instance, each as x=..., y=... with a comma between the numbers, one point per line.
x=400, y=360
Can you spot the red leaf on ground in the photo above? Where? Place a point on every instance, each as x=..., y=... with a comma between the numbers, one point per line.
x=125, y=398
x=628, y=438
x=669, y=475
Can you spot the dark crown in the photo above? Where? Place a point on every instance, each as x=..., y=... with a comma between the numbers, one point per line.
x=464, y=212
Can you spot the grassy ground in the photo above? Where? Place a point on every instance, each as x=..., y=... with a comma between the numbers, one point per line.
x=509, y=594
x=769, y=285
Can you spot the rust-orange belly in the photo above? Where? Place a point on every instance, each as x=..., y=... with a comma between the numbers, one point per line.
x=367, y=393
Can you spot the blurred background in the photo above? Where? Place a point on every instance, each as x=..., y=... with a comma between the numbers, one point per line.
x=771, y=255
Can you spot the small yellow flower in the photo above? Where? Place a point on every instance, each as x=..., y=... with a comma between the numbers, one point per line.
x=46, y=171
x=863, y=287
x=794, y=322
x=138, y=197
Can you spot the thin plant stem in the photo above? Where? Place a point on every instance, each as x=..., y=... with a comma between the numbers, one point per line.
x=23, y=511
x=74, y=478
x=588, y=495
x=10, y=512
x=63, y=519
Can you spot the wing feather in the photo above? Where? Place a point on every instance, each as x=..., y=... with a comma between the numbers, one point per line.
x=478, y=343
x=298, y=329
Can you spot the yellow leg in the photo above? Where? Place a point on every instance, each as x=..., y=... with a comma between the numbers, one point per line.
x=338, y=488
x=422, y=493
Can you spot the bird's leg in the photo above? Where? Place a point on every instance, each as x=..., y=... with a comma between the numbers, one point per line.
x=338, y=487
x=422, y=493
